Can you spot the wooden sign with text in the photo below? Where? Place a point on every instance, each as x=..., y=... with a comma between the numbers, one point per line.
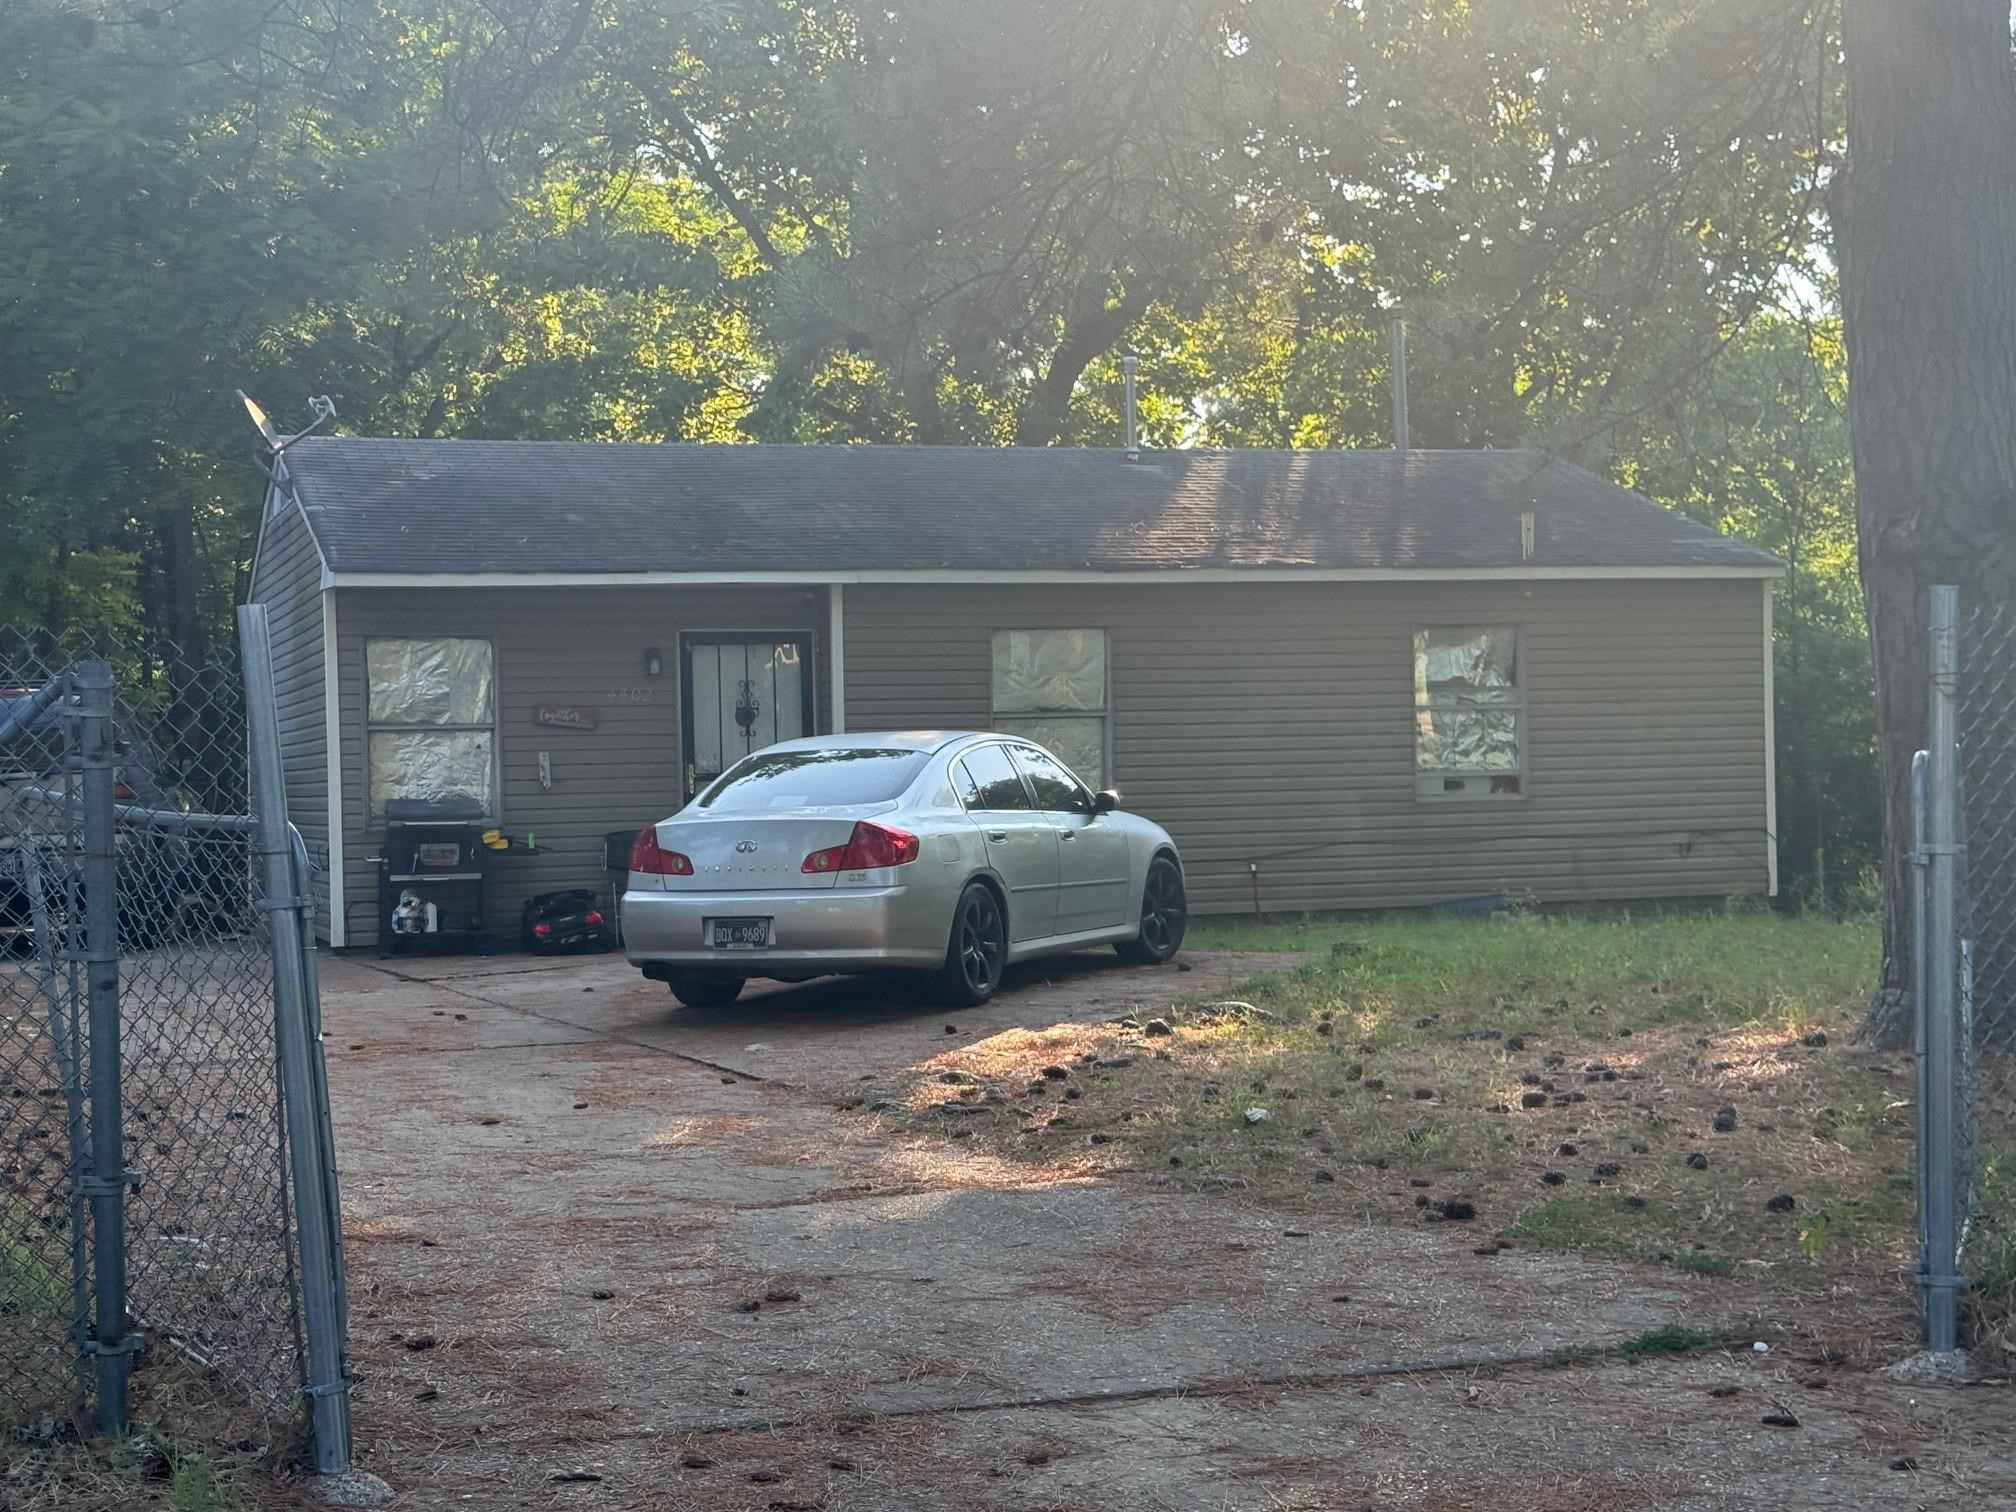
x=563, y=717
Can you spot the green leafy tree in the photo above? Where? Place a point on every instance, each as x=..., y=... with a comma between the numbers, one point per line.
x=1759, y=448
x=816, y=220
x=1925, y=220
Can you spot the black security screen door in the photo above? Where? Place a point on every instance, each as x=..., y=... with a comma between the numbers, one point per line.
x=740, y=692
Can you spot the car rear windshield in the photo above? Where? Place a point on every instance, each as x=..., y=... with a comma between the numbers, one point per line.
x=831, y=778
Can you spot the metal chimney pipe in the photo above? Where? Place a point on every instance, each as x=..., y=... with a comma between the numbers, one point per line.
x=1127, y=367
x=1396, y=334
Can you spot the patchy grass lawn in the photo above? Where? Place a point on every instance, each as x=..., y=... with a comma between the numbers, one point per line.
x=199, y=1444
x=1670, y=1087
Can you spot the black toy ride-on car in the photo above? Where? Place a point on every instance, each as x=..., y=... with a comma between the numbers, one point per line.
x=557, y=923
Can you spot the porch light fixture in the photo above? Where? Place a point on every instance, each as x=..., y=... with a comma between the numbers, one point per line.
x=654, y=664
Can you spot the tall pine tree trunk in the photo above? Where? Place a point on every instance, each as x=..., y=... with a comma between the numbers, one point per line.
x=1925, y=228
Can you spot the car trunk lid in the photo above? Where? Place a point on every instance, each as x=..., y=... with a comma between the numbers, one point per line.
x=759, y=852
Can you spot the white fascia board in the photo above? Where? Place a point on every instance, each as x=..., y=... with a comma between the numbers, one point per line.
x=332, y=735
x=1150, y=578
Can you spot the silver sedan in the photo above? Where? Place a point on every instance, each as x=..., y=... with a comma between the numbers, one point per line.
x=950, y=853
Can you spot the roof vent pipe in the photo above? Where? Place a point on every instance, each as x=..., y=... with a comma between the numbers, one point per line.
x=1396, y=335
x=1127, y=367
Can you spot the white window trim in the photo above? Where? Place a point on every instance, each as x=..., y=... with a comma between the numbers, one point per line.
x=1104, y=714
x=1483, y=793
x=374, y=820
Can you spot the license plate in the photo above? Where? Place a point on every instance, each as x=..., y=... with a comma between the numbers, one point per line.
x=738, y=934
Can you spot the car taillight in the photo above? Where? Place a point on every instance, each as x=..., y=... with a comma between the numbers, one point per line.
x=870, y=846
x=542, y=929
x=593, y=916
x=647, y=856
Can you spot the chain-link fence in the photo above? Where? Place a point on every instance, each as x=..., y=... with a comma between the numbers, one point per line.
x=1965, y=959
x=1986, y=691
x=146, y=1189
x=43, y=1271
x=1986, y=719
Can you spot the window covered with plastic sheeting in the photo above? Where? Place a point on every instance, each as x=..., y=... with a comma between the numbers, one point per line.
x=431, y=719
x=1050, y=687
x=1469, y=712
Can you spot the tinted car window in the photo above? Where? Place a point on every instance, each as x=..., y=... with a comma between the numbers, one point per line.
x=832, y=778
x=1057, y=791
x=996, y=783
x=964, y=785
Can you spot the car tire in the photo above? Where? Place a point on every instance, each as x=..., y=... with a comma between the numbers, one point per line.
x=1165, y=915
x=975, y=951
x=705, y=989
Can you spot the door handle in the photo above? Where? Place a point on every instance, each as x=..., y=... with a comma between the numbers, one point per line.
x=999, y=837
x=1067, y=835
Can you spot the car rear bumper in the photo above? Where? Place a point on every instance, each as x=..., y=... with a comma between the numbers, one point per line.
x=811, y=931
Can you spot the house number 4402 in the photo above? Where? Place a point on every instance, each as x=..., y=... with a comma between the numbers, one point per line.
x=630, y=695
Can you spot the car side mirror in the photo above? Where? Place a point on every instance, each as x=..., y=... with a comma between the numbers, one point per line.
x=1105, y=803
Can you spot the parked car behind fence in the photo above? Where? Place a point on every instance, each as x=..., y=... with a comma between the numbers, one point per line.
x=948, y=853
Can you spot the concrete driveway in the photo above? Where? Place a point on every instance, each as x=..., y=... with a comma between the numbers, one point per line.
x=611, y=1253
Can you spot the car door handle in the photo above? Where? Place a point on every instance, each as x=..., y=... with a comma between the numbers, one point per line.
x=1067, y=834
x=999, y=837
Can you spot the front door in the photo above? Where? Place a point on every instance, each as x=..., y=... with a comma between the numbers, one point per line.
x=740, y=693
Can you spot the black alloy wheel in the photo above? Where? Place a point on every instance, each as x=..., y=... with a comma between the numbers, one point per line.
x=1165, y=915
x=978, y=949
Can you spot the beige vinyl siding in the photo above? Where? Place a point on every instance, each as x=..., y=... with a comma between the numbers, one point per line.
x=556, y=646
x=1274, y=723
x=288, y=581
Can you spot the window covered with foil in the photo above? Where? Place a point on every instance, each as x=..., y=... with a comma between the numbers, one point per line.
x=1050, y=687
x=1469, y=709
x=431, y=727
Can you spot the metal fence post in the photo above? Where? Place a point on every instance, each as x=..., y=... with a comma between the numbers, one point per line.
x=1939, y=1007
x=61, y=995
x=1920, y=1069
x=110, y=1342
x=311, y=1159
x=324, y=1121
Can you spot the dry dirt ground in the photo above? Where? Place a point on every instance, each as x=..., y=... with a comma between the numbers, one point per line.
x=607, y=1253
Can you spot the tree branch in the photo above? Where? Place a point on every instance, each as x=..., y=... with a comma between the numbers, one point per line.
x=1086, y=339
x=693, y=152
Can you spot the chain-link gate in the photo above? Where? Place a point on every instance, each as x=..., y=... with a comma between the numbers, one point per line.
x=156, y=1033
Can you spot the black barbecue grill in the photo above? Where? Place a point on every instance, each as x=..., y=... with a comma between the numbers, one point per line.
x=446, y=868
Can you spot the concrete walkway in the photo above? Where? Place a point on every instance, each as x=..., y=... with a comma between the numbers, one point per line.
x=612, y=1253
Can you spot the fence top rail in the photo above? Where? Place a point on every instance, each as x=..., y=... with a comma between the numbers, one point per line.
x=159, y=818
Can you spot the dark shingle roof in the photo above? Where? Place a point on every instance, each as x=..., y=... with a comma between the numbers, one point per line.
x=450, y=507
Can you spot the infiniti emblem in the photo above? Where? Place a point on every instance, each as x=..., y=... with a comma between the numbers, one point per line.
x=745, y=846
